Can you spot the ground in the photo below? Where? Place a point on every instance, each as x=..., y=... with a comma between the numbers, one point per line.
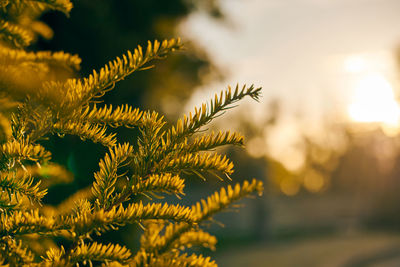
x=350, y=249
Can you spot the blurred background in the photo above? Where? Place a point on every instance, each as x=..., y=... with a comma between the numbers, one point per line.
x=324, y=137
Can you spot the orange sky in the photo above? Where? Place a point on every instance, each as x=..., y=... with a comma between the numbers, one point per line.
x=301, y=51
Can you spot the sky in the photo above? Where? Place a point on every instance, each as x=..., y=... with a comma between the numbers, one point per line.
x=320, y=58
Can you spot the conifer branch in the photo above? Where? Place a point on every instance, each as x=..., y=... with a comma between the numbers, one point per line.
x=204, y=210
x=54, y=257
x=80, y=92
x=24, y=186
x=27, y=222
x=206, y=142
x=107, y=176
x=64, y=6
x=164, y=243
x=188, y=125
x=93, y=132
x=17, y=151
x=99, y=252
x=150, y=236
x=164, y=183
x=39, y=6
x=7, y=104
x=65, y=206
x=121, y=116
x=32, y=122
x=196, y=162
x=185, y=260
x=15, y=34
x=41, y=29
x=141, y=258
x=11, y=85
x=39, y=105
x=83, y=223
x=220, y=200
x=49, y=174
x=10, y=56
x=23, y=82
x=100, y=221
x=195, y=238
x=172, y=259
x=211, y=141
x=14, y=252
x=148, y=144
x=7, y=206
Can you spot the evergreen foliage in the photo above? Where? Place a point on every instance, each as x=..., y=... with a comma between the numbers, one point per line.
x=37, y=103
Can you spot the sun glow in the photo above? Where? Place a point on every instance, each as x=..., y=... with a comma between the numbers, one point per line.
x=374, y=101
x=355, y=64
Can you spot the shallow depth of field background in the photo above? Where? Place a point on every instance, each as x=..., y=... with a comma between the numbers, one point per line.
x=324, y=138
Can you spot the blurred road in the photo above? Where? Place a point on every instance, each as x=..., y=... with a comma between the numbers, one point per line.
x=355, y=249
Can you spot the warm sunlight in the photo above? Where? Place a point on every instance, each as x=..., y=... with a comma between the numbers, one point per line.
x=355, y=64
x=374, y=101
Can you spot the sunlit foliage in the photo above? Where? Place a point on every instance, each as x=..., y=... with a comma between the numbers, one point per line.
x=36, y=103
